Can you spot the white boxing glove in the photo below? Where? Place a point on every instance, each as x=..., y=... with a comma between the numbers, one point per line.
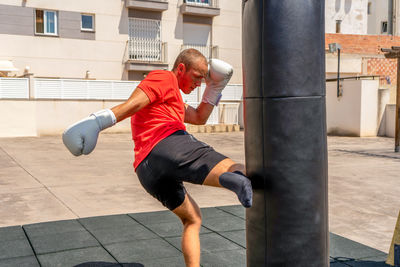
x=219, y=74
x=81, y=137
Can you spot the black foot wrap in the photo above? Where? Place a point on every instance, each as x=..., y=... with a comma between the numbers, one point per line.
x=240, y=184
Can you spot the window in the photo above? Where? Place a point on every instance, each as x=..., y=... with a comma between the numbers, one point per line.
x=87, y=22
x=199, y=2
x=145, y=39
x=384, y=27
x=369, y=8
x=338, y=24
x=46, y=22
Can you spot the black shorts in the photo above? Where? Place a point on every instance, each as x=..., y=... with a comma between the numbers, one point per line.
x=177, y=158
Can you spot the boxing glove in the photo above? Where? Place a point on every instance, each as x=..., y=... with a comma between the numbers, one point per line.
x=81, y=137
x=218, y=77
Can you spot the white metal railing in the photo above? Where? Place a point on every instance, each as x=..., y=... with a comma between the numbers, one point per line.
x=145, y=40
x=83, y=89
x=208, y=3
x=17, y=88
x=204, y=49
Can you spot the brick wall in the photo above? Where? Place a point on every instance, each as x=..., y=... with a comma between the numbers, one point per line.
x=369, y=47
x=362, y=44
x=384, y=67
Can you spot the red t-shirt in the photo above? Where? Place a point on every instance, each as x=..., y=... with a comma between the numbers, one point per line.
x=163, y=116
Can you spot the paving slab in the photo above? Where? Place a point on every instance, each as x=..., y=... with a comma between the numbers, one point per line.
x=29, y=261
x=136, y=251
x=49, y=243
x=132, y=240
x=77, y=256
x=15, y=248
x=123, y=234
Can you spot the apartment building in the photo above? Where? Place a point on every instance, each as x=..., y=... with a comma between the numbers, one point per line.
x=115, y=39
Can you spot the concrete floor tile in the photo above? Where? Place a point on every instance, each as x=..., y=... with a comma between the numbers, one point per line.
x=155, y=217
x=209, y=213
x=338, y=264
x=16, y=177
x=11, y=233
x=227, y=223
x=366, y=263
x=239, y=237
x=31, y=205
x=15, y=248
x=111, y=221
x=49, y=243
x=347, y=249
x=122, y=234
x=170, y=229
x=170, y=262
x=29, y=261
x=139, y=250
x=230, y=258
x=95, y=200
x=55, y=227
x=237, y=210
x=210, y=243
x=76, y=257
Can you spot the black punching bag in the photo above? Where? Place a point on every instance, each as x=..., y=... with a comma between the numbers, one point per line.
x=285, y=132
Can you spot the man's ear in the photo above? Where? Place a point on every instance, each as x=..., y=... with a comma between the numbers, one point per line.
x=181, y=68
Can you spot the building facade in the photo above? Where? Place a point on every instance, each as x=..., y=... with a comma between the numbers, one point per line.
x=116, y=39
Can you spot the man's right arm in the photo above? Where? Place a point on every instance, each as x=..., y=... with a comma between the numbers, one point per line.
x=135, y=102
x=81, y=137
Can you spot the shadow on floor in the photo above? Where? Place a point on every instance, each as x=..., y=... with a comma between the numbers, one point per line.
x=108, y=264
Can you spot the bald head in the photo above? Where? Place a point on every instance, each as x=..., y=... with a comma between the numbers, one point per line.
x=189, y=57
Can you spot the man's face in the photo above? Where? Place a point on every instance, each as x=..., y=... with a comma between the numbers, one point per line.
x=188, y=80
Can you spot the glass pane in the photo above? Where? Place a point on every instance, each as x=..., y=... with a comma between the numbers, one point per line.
x=51, y=22
x=39, y=21
x=87, y=22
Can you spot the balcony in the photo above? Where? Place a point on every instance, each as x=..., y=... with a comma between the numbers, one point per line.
x=146, y=55
x=205, y=8
x=207, y=50
x=149, y=5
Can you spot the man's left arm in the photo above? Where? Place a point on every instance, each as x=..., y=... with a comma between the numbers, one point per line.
x=218, y=77
x=199, y=115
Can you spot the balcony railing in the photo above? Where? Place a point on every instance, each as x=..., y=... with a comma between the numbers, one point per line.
x=207, y=50
x=146, y=50
x=206, y=3
x=145, y=40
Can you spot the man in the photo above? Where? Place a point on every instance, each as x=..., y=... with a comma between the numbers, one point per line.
x=165, y=154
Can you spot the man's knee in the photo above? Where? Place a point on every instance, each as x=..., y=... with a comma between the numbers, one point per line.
x=189, y=212
x=194, y=220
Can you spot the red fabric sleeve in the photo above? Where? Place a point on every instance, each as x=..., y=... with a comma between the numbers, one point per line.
x=151, y=85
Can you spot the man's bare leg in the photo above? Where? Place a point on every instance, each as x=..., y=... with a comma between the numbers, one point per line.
x=190, y=215
x=226, y=165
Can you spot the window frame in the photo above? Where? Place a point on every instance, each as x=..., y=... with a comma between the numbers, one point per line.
x=45, y=18
x=384, y=27
x=93, y=22
x=199, y=3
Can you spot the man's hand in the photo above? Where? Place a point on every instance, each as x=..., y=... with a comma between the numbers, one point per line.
x=81, y=137
x=218, y=77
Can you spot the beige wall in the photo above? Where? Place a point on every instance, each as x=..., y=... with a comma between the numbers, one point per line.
x=105, y=56
x=390, y=120
x=49, y=117
x=355, y=113
x=352, y=13
x=379, y=13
